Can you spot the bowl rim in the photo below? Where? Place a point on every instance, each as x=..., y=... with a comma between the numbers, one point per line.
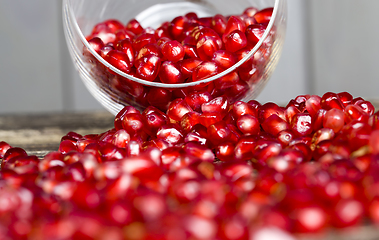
x=174, y=85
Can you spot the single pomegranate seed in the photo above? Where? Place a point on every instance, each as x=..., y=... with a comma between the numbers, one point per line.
x=264, y=15
x=218, y=104
x=150, y=48
x=219, y=24
x=345, y=97
x=189, y=120
x=4, y=147
x=235, y=41
x=134, y=26
x=162, y=31
x=177, y=109
x=206, y=46
x=122, y=34
x=334, y=119
x=153, y=119
x=120, y=116
x=118, y=59
x=248, y=124
x=301, y=124
x=173, y=51
x=274, y=124
x=218, y=132
x=132, y=123
x=159, y=97
x=176, y=27
x=170, y=73
x=187, y=66
x=148, y=67
x=196, y=99
x=171, y=133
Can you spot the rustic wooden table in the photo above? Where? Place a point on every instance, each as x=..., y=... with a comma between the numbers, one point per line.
x=39, y=134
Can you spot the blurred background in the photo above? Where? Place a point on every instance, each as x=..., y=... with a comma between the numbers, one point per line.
x=331, y=45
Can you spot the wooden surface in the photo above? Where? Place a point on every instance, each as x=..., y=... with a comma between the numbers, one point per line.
x=39, y=134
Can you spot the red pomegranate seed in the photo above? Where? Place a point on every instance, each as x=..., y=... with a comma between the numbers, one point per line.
x=301, y=124
x=334, y=119
x=173, y=51
x=331, y=100
x=224, y=59
x=132, y=123
x=134, y=26
x=119, y=60
x=234, y=23
x=219, y=24
x=171, y=133
x=159, y=98
x=225, y=151
x=235, y=41
x=120, y=116
x=187, y=66
x=189, y=120
x=219, y=104
x=4, y=146
x=206, y=46
x=153, y=119
x=264, y=15
x=170, y=73
x=248, y=124
x=177, y=109
x=345, y=97
x=204, y=70
x=122, y=34
x=143, y=39
x=274, y=124
x=176, y=27
x=150, y=48
x=148, y=67
x=162, y=31
x=196, y=99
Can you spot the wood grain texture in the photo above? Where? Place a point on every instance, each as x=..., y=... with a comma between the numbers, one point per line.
x=39, y=134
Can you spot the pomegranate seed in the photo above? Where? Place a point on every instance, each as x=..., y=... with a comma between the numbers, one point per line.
x=159, y=97
x=170, y=73
x=177, y=109
x=206, y=46
x=334, y=119
x=118, y=59
x=173, y=51
x=219, y=24
x=134, y=26
x=234, y=23
x=148, y=67
x=235, y=41
x=248, y=124
x=264, y=15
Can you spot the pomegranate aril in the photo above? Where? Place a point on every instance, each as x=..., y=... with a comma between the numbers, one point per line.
x=274, y=124
x=248, y=124
x=224, y=59
x=148, y=67
x=234, y=23
x=171, y=133
x=331, y=100
x=119, y=60
x=134, y=26
x=264, y=15
x=170, y=73
x=177, y=109
x=159, y=98
x=235, y=41
x=150, y=48
x=219, y=24
x=206, y=46
x=173, y=51
x=187, y=66
x=4, y=146
x=196, y=99
x=334, y=119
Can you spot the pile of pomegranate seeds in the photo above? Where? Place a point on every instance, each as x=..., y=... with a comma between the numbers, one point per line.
x=187, y=49
x=205, y=169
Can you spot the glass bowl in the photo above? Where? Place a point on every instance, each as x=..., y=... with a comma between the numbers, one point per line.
x=115, y=89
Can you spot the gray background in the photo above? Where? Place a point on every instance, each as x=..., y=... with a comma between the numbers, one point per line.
x=331, y=45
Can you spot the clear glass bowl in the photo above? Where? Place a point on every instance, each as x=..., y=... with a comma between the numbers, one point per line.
x=115, y=89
